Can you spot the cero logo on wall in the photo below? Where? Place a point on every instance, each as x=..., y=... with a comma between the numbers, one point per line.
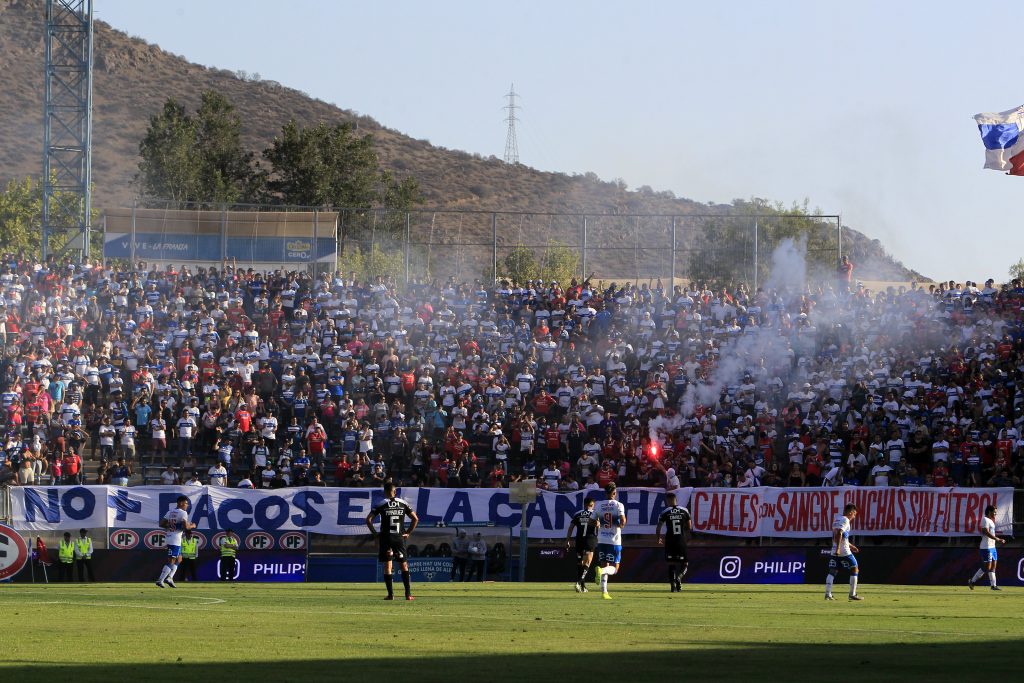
x=293, y=540
x=123, y=539
x=299, y=248
x=155, y=539
x=259, y=540
x=13, y=552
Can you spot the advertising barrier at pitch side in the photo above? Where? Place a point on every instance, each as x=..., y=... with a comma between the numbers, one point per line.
x=748, y=513
x=760, y=565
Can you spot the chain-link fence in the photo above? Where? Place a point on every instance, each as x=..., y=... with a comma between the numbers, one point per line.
x=470, y=245
x=426, y=245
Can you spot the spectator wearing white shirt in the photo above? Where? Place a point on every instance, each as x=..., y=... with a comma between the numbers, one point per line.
x=218, y=475
x=186, y=427
x=169, y=477
x=880, y=473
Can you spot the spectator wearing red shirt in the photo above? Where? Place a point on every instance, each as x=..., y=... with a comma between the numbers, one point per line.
x=185, y=356
x=497, y=476
x=30, y=391
x=72, y=468
x=458, y=447
x=342, y=471
x=544, y=403
x=244, y=419
x=553, y=440
x=315, y=440
x=606, y=474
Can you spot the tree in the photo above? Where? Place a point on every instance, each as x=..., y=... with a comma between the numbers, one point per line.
x=200, y=158
x=323, y=166
x=21, y=218
x=21, y=208
x=371, y=264
x=169, y=168
x=227, y=173
x=559, y=263
x=521, y=265
x=723, y=250
x=1017, y=270
x=398, y=197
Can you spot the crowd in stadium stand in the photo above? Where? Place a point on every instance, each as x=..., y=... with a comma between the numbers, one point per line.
x=229, y=377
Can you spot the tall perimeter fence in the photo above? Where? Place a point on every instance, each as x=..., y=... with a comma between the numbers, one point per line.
x=469, y=245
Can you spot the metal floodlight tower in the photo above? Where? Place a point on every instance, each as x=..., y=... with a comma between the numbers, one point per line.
x=511, y=145
x=67, y=124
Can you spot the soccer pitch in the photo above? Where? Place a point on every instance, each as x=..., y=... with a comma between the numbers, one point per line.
x=496, y=632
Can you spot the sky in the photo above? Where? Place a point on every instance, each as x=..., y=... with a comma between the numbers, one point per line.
x=864, y=109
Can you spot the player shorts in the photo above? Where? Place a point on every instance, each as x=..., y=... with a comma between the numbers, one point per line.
x=845, y=562
x=675, y=552
x=989, y=555
x=392, y=550
x=608, y=553
x=586, y=546
x=174, y=551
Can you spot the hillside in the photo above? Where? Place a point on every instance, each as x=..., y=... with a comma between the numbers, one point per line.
x=132, y=79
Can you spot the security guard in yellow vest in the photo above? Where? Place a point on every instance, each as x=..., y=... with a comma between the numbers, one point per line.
x=228, y=553
x=66, y=557
x=189, y=555
x=83, y=556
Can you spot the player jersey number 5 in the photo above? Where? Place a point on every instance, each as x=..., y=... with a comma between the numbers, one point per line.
x=395, y=526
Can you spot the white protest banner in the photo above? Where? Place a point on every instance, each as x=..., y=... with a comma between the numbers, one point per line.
x=749, y=512
x=339, y=511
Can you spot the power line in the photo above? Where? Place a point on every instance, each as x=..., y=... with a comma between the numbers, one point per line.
x=511, y=145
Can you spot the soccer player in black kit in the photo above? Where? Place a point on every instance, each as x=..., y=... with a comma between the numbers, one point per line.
x=677, y=522
x=585, y=523
x=393, y=536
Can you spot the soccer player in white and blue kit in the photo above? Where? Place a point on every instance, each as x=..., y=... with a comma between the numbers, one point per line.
x=842, y=553
x=612, y=516
x=175, y=522
x=989, y=556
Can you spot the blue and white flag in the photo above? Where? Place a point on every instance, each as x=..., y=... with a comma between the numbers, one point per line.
x=1003, y=137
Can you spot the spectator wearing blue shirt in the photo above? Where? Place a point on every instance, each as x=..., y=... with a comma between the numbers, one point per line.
x=300, y=466
x=143, y=411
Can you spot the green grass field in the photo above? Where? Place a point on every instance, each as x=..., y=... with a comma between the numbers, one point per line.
x=496, y=632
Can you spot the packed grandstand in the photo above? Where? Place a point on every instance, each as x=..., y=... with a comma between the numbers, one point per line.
x=271, y=379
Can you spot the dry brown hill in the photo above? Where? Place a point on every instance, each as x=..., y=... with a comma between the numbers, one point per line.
x=133, y=78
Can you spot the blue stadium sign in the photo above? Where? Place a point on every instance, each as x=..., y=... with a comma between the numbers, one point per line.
x=185, y=247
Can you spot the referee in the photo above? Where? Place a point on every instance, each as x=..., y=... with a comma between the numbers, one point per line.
x=585, y=523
